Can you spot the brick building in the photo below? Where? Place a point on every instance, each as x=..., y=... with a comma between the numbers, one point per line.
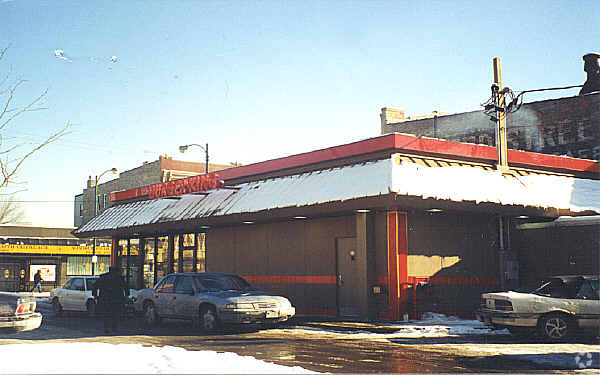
x=162, y=170
x=567, y=126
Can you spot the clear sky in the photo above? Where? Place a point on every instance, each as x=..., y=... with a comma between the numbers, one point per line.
x=258, y=80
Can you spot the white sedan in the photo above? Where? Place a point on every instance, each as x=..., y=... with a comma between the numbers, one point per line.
x=75, y=295
x=557, y=310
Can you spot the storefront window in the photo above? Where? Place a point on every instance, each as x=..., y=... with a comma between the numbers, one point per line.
x=148, y=266
x=162, y=257
x=121, y=254
x=189, y=247
x=130, y=265
x=201, y=256
x=176, y=249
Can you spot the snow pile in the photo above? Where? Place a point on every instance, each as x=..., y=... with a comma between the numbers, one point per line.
x=439, y=325
x=430, y=325
x=102, y=358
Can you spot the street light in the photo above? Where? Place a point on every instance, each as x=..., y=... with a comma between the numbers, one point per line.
x=94, y=258
x=184, y=148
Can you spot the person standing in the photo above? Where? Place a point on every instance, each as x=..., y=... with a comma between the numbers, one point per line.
x=37, y=281
x=111, y=292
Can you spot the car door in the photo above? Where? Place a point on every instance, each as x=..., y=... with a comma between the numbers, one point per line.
x=588, y=300
x=68, y=300
x=61, y=294
x=184, y=299
x=77, y=294
x=164, y=296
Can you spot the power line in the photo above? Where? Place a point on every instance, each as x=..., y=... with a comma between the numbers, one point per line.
x=18, y=201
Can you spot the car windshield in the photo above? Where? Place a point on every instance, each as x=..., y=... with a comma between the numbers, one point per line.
x=557, y=288
x=90, y=283
x=224, y=282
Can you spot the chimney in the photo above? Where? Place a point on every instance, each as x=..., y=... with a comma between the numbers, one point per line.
x=90, y=182
x=390, y=116
x=592, y=67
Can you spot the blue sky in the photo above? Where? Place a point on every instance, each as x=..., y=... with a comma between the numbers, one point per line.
x=260, y=79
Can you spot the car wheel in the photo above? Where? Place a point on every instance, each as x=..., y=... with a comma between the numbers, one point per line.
x=151, y=317
x=556, y=327
x=90, y=306
x=208, y=322
x=56, y=306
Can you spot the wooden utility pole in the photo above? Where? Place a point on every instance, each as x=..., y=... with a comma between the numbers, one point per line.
x=501, y=133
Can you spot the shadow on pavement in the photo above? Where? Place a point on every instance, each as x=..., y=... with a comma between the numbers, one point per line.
x=523, y=362
x=486, y=339
x=74, y=325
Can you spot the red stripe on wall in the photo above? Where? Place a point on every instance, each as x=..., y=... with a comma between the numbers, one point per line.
x=290, y=279
x=445, y=280
x=463, y=281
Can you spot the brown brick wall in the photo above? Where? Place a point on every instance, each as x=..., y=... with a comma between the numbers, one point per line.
x=566, y=126
x=304, y=249
x=146, y=174
x=555, y=251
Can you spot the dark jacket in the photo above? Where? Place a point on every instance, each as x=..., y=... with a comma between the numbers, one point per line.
x=110, y=288
x=37, y=278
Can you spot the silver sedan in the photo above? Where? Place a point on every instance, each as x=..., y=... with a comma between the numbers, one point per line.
x=210, y=299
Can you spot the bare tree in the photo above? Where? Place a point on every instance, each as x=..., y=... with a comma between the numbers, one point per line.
x=12, y=156
x=11, y=212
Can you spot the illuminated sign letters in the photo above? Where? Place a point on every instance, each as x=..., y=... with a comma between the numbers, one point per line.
x=185, y=186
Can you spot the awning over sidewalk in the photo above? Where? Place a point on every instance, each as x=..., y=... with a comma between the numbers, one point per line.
x=396, y=175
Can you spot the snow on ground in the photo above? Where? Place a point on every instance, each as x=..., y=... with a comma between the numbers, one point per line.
x=430, y=325
x=102, y=358
x=571, y=356
x=177, y=360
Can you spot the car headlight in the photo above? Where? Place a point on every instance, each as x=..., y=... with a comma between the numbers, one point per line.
x=239, y=306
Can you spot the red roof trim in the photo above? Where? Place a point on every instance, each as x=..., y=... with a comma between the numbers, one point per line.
x=412, y=143
x=399, y=142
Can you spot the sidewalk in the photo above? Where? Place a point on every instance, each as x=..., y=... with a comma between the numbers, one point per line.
x=35, y=294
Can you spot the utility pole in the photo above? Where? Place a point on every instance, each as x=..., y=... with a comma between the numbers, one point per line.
x=502, y=148
x=501, y=133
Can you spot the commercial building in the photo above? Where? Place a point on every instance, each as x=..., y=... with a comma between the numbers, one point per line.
x=353, y=230
x=54, y=251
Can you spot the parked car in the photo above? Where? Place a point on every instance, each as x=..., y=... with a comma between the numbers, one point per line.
x=75, y=295
x=17, y=312
x=559, y=308
x=210, y=299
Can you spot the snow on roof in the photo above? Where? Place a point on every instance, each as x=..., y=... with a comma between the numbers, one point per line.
x=366, y=179
x=461, y=183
